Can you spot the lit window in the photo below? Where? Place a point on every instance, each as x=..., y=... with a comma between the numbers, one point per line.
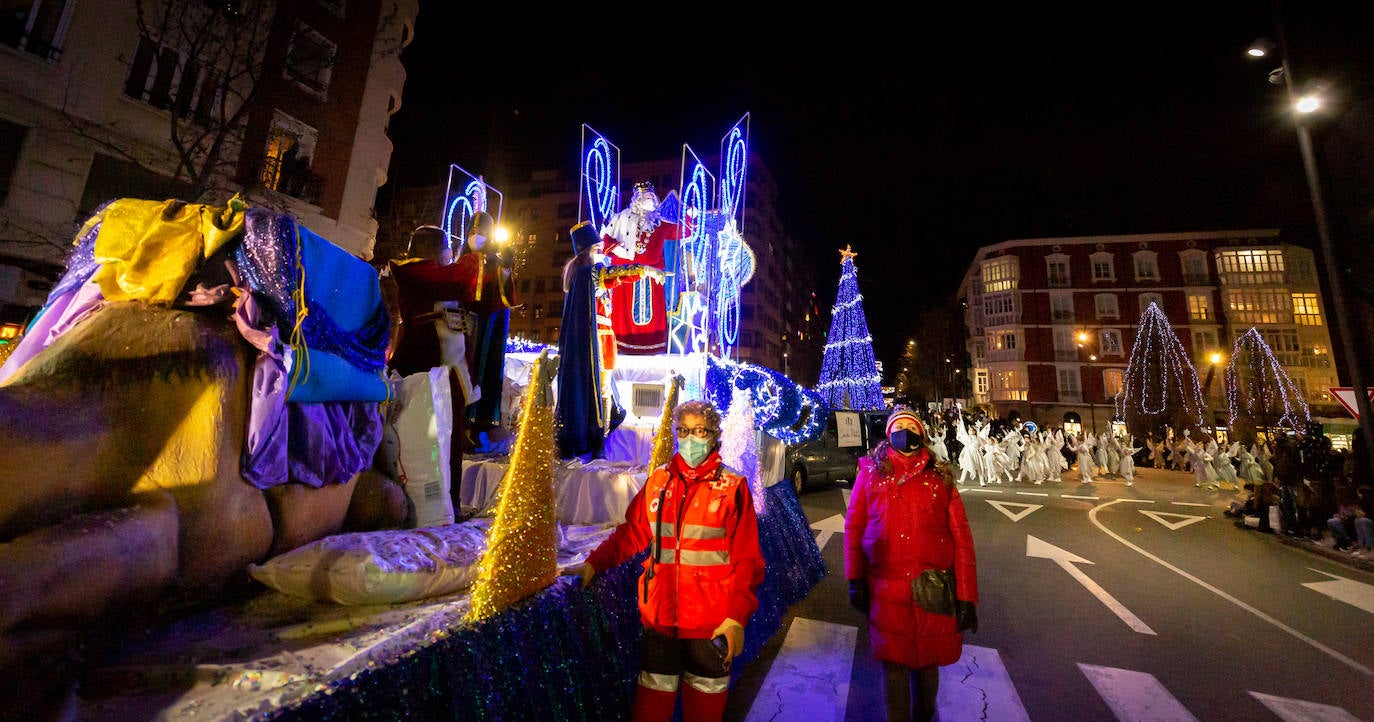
x=1001, y=274
x=1200, y=306
x=1112, y=380
x=1104, y=269
x=980, y=382
x=1259, y=306
x=286, y=167
x=1250, y=266
x=1305, y=311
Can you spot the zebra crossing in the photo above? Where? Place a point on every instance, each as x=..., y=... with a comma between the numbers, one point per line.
x=811, y=678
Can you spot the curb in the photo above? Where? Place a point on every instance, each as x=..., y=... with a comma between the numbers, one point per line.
x=1365, y=563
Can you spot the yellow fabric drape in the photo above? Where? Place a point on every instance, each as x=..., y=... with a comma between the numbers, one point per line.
x=147, y=249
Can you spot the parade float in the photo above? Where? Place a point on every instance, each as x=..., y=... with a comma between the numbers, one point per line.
x=205, y=400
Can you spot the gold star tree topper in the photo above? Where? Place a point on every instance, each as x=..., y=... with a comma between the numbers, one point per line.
x=847, y=254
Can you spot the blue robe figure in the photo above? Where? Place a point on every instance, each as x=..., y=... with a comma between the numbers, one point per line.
x=584, y=417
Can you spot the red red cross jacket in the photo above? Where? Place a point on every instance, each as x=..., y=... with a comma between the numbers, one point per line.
x=704, y=562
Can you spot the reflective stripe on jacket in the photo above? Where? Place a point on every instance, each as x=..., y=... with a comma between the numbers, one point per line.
x=704, y=560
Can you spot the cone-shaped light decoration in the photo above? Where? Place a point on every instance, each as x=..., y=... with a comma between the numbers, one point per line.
x=663, y=440
x=521, y=556
x=1161, y=387
x=849, y=373
x=1259, y=392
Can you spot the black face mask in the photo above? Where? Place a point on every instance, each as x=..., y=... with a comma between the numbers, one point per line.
x=905, y=440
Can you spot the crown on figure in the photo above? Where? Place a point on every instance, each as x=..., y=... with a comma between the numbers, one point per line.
x=643, y=187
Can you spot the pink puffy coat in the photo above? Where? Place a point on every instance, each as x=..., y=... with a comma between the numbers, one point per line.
x=893, y=532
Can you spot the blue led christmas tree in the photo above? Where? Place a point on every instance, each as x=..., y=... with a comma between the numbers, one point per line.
x=849, y=374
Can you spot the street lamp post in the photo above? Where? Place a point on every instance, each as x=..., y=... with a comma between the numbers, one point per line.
x=1333, y=272
x=1213, y=359
x=1083, y=383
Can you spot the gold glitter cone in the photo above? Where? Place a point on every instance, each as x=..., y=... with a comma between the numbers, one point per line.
x=663, y=440
x=521, y=556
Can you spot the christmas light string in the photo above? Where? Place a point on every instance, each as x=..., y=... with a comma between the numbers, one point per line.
x=1254, y=392
x=1159, y=372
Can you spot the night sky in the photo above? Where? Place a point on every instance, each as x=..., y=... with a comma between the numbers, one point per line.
x=938, y=131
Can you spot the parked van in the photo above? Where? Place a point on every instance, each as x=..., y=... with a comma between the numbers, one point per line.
x=834, y=456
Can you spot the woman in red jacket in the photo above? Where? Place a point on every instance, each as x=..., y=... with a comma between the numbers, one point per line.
x=905, y=516
x=695, y=517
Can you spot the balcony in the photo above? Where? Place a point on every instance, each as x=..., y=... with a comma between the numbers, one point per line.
x=1006, y=354
x=1196, y=279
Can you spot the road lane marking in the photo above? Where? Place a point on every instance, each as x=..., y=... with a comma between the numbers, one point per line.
x=1033, y=493
x=1092, y=516
x=1072, y=496
x=828, y=527
x=978, y=687
x=1184, y=519
x=1066, y=561
x=981, y=490
x=1138, y=501
x=809, y=679
x=1135, y=695
x=1356, y=594
x=1297, y=710
x=1025, y=511
x=1188, y=503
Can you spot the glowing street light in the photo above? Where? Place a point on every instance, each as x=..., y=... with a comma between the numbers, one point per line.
x=1308, y=104
x=502, y=234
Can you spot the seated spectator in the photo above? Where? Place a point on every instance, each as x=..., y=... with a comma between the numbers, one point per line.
x=1364, y=521
x=1342, y=523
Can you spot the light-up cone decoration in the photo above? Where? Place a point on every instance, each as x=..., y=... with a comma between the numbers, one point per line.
x=663, y=440
x=521, y=556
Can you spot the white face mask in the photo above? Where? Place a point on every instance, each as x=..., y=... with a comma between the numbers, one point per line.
x=445, y=257
x=477, y=242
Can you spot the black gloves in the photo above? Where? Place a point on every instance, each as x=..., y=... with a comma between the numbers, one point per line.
x=858, y=595
x=965, y=613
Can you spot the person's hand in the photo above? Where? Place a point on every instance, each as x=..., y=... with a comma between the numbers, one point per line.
x=734, y=638
x=966, y=614
x=858, y=594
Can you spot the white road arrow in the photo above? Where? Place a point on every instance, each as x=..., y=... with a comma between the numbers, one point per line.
x=828, y=527
x=1025, y=509
x=1184, y=519
x=1066, y=561
x=1351, y=592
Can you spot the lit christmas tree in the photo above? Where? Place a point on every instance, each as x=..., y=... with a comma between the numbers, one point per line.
x=1259, y=393
x=849, y=373
x=1161, y=387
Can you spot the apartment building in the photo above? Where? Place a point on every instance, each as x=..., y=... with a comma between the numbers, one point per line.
x=1052, y=321
x=93, y=92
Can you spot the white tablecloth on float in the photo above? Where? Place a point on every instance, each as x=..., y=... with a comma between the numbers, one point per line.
x=628, y=443
x=593, y=493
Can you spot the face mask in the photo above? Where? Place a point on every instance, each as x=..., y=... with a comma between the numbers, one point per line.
x=477, y=242
x=905, y=440
x=693, y=450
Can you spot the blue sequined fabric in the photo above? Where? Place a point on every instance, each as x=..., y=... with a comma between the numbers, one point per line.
x=266, y=261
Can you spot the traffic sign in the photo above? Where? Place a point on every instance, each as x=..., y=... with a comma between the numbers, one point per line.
x=1346, y=395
